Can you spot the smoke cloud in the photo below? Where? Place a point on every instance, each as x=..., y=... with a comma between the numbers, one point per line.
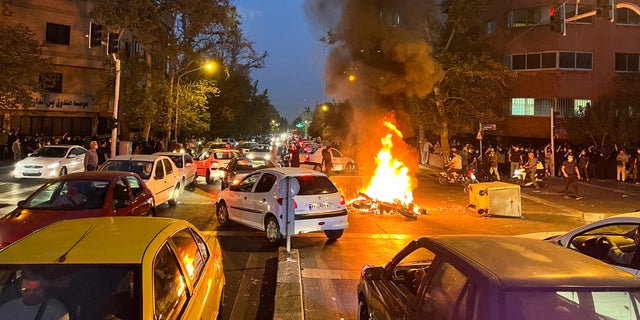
x=378, y=56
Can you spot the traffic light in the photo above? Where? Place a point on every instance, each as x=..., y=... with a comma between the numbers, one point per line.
x=605, y=9
x=95, y=35
x=114, y=43
x=556, y=20
x=113, y=123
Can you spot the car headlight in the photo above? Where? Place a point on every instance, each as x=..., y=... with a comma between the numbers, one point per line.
x=53, y=165
x=19, y=164
x=249, y=156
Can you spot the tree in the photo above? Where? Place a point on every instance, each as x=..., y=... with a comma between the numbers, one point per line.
x=24, y=69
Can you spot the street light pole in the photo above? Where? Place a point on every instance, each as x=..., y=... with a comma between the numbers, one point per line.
x=114, y=131
x=207, y=66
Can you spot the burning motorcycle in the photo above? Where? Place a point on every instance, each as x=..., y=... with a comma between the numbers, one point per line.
x=520, y=178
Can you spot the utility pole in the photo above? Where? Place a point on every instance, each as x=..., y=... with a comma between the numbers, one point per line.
x=114, y=130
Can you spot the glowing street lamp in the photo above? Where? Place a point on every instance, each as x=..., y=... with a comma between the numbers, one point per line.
x=211, y=66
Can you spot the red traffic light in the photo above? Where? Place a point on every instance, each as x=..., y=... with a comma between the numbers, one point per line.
x=552, y=11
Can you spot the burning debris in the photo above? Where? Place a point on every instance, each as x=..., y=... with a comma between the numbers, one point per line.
x=364, y=203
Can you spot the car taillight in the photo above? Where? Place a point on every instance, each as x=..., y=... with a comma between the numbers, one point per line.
x=281, y=201
x=342, y=201
x=307, y=159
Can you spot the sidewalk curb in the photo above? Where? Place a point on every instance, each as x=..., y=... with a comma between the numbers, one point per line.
x=288, y=297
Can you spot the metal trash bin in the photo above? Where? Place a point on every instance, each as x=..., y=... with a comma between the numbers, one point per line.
x=496, y=198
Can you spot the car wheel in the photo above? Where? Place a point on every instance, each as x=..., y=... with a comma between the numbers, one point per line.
x=208, y=177
x=333, y=234
x=63, y=171
x=363, y=310
x=195, y=180
x=222, y=213
x=272, y=229
x=173, y=201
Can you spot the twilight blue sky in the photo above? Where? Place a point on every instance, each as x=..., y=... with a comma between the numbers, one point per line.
x=293, y=72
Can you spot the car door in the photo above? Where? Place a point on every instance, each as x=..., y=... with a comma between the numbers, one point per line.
x=236, y=199
x=162, y=190
x=139, y=205
x=75, y=160
x=260, y=200
x=337, y=160
x=122, y=200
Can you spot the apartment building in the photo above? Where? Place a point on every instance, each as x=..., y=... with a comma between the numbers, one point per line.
x=78, y=103
x=562, y=70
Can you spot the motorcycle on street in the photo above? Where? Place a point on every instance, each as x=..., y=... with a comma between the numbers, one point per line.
x=520, y=178
x=464, y=178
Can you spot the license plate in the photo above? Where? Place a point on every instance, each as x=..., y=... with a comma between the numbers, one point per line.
x=316, y=206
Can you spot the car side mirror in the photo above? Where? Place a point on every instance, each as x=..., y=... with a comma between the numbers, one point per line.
x=235, y=187
x=21, y=203
x=373, y=273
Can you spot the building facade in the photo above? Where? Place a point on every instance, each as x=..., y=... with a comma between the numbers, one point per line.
x=556, y=70
x=79, y=104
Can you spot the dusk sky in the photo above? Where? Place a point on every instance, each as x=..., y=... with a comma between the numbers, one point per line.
x=293, y=72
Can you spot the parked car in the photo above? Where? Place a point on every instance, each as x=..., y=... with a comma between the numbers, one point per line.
x=78, y=195
x=210, y=163
x=238, y=168
x=159, y=173
x=494, y=278
x=120, y=268
x=595, y=239
x=186, y=167
x=258, y=202
x=311, y=156
x=51, y=161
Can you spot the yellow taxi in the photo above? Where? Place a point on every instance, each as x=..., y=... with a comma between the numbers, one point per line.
x=119, y=268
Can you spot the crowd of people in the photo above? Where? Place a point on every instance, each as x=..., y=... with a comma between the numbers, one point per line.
x=497, y=162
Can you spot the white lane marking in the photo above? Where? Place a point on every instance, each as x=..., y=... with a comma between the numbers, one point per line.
x=251, y=278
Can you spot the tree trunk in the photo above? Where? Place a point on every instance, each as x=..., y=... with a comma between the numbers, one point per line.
x=147, y=91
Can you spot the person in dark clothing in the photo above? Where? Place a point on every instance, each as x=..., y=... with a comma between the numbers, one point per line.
x=583, y=164
x=571, y=176
x=294, y=155
x=103, y=152
x=326, y=160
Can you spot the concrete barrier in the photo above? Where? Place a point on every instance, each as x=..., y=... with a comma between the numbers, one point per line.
x=288, y=300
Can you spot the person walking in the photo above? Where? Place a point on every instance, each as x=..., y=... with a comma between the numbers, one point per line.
x=16, y=149
x=571, y=176
x=493, y=164
x=515, y=158
x=583, y=164
x=91, y=157
x=294, y=155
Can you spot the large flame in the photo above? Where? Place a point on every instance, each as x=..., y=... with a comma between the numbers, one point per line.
x=391, y=181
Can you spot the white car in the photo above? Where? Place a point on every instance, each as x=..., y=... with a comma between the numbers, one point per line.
x=311, y=157
x=186, y=167
x=159, y=173
x=259, y=151
x=256, y=201
x=594, y=239
x=51, y=161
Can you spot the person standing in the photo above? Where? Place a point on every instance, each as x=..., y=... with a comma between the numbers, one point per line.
x=326, y=160
x=294, y=155
x=426, y=149
x=4, y=139
x=515, y=158
x=571, y=176
x=91, y=157
x=103, y=152
x=636, y=167
x=583, y=164
x=621, y=165
x=16, y=149
x=493, y=164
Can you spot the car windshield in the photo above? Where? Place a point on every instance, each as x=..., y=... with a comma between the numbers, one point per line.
x=142, y=168
x=260, y=148
x=70, y=195
x=227, y=154
x=109, y=291
x=49, y=152
x=251, y=165
x=565, y=303
x=310, y=148
x=311, y=184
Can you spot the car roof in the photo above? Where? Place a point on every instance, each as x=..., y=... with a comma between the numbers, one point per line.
x=102, y=240
x=65, y=146
x=513, y=262
x=293, y=171
x=95, y=175
x=137, y=157
x=167, y=153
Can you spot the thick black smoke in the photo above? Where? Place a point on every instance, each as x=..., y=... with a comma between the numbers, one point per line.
x=379, y=54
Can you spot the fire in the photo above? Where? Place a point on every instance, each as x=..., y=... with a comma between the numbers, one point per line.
x=391, y=181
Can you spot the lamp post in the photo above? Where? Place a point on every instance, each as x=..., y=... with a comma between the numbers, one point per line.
x=208, y=66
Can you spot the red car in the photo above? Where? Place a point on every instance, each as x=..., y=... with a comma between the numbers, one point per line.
x=211, y=162
x=78, y=195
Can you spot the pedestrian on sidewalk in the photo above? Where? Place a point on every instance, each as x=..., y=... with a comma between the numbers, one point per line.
x=16, y=148
x=621, y=165
x=426, y=149
x=91, y=157
x=571, y=176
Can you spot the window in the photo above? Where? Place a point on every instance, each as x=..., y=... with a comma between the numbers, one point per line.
x=168, y=168
x=409, y=273
x=58, y=34
x=446, y=294
x=627, y=16
x=523, y=17
x=627, y=62
x=265, y=183
x=531, y=106
x=191, y=255
x=533, y=61
x=490, y=28
x=548, y=60
x=169, y=286
x=135, y=184
x=518, y=62
x=51, y=82
x=575, y=60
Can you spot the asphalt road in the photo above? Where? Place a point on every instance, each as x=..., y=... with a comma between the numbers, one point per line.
x=330, y=269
